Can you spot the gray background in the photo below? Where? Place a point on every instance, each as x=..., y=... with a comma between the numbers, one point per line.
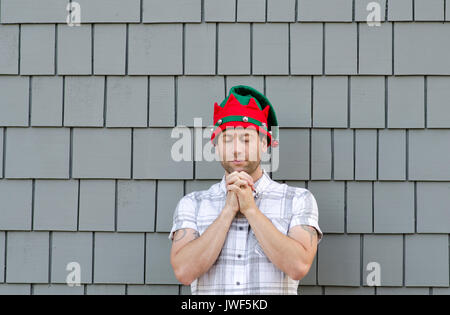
x=86, y=115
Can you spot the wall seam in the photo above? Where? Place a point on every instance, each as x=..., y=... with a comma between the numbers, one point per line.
x=20, y=48
x=4, y=153
x=56, y=49
x=6, y=257
x=127, y=32
x=105, y=95
x=78, y=204
x=116, y=193
x=92, y=48
x=50, y=244
x=33, y=189
x=156, y=205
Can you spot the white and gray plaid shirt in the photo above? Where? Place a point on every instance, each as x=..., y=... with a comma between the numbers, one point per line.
x=242, y=267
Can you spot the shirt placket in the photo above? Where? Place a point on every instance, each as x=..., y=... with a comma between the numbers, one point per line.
x=241, y=247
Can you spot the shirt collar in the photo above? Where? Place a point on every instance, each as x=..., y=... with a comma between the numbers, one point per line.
x=260, y=185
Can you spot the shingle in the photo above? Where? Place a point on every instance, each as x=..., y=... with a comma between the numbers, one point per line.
x=367, y=102
x=420, y=48
x=232, y=60
x=270, y=48
x=14, y=105
x=335, y=290
x=387, y=251
x=162, y=56
x=136, y=206
x=27, y=257
x=162, y=11
x=339, y=262
x=37, y=49
x=309, y=290
x=363, y=10
x=46, y=101
x=400, y=10
x=105, y=289
x=160, y=164
x=158, y=269
x=438, y=94
x=293, y=143
x=375, y=49
x=14, y=289
x=256, y=82
x=281, y=11
x=365, y=154
x=251, y=11
x=108, y=11
x=200, y=50
x=330, y=103
x=432, y=207
x=9, y=49
x=306, y=40
x=32, y=11
x=426, y=260
x=109, y=48
x=220, y=11
x=55, y=205
x=57, y=289
x=429, y=154
x=392, y=154
x=340, y=48
x=406, y=102
x=168, y=194
x=196, y=97
x=84, y=101
x=325, y=10
x=70, y=247
x=119, y=258
x=126, y=101
x=97, y=205
x=101, y=153
x=343, y=154
x=37, y=153
x=162, y=101
x=74, y=49
x=429, y=10
x=393, y=207
x=292, y=98
x=330, y=198
x=15, y=210
x=321, y=154
x=359, y=207
x=153, y=289
x=402, y=291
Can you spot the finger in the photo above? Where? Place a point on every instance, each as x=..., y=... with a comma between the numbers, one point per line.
x=233, y=188
x=241, y=183
x=247, y=176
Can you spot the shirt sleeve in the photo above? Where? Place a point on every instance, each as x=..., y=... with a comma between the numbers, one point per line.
x=184, y=215
x=305, y=211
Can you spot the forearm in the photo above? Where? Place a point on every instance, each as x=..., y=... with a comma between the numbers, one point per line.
x=284, y=252
x=197, y=257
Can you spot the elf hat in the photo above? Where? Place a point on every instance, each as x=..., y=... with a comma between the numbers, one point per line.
x=246, y=107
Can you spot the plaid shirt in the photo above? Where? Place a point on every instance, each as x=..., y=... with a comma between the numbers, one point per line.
x=242, y=267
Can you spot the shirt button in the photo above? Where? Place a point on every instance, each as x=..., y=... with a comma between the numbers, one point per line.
x=239, y=255
x=241, y=228
x=238, y=283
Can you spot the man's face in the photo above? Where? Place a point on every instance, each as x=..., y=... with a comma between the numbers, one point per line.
x=240, y=149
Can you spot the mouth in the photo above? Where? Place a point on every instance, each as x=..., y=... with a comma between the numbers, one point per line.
x=238, y=161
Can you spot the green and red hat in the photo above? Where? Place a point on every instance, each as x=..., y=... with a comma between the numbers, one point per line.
x=246, y=107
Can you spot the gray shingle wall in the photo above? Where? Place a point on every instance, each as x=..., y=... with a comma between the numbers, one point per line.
x=86, y=115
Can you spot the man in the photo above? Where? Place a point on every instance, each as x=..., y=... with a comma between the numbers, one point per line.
x=247, y=234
